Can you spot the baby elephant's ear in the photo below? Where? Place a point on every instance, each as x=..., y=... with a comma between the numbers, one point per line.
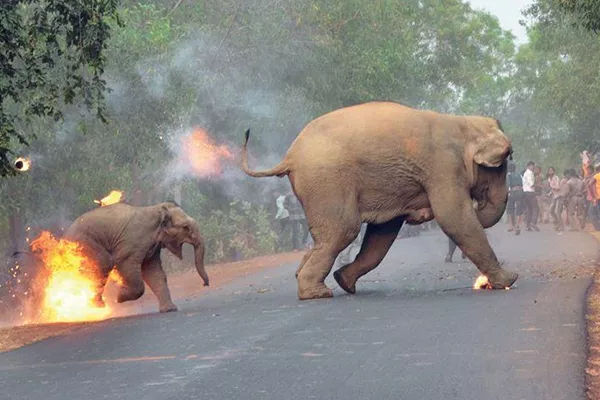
x=165, y=216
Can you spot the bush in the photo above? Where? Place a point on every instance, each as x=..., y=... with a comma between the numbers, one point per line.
x=240, y=232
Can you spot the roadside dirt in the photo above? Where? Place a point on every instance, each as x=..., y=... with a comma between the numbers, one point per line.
x=182, y=285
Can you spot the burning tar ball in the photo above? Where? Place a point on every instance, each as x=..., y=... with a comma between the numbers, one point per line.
x=22, y=164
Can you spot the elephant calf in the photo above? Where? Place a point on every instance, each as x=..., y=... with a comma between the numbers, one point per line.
x=130, y=239
x=386, y=164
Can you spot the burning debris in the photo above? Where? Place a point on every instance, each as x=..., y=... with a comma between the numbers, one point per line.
x=202, y=155
x=115, y=196
x=69, y=285
x=22, y=164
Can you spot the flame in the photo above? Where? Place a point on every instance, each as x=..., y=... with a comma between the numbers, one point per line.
x=22, y=164
x=69, y=283
x=482, y=283
x=202, y=155
x=116, y=277
x=113, y=197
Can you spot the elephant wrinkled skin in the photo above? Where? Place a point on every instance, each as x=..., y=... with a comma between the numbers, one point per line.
x=130, y=238
x=385, y=164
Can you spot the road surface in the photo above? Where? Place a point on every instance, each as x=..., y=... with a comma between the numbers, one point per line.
x=415, y=330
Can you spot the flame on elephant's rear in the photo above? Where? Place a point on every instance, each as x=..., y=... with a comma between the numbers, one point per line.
x=67, y=282
x=113, y=197
x=202, y=155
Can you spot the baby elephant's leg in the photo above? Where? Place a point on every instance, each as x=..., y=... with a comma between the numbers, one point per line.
x=99, y=267
x=155, y=277
x=131, y=286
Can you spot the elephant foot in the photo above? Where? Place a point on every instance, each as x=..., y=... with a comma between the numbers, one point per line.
x=168, y=308
x=344, y=284
x=448, y=259
x=316, y=292
x=129, y=294
x=501, y=279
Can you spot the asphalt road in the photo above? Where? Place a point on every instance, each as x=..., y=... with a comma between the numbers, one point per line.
x=415, y=330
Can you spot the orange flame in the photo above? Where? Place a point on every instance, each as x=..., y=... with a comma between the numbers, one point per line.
x=113, y=197
x=22, y=164
x=70, y=286
x=482, y=283
x=116, y=277
x=202, y=154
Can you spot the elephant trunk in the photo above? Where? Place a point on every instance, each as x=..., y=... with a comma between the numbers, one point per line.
x=492, y=203
x=199, y=258
x=198, y=244
x=491, y=213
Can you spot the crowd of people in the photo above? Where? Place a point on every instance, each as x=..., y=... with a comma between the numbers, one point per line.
x=570, y=200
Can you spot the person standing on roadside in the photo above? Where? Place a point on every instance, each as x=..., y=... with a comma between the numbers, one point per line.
x=575, y=206
x=553, y=186
x=282, y=217
x=594, y=190
x=514, y=205
x=559, y=202
x=538, y=186
x=531, y=205
x=296, y=215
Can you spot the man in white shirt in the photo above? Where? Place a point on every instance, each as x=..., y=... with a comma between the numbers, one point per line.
x=282, y=216
x=531, y=204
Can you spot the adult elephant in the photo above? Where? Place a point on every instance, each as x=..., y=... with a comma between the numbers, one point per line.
x=385, y=164
x=130, y=238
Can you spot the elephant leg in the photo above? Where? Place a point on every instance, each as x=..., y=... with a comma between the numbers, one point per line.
x=132, y=285
x=98, y=269
x=458, y=220
x=331, y=236
x=304, y=259
x=451, y=250
x=376, y=243
x=156, y=279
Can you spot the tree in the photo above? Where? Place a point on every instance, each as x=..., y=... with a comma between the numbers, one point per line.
x=557, y=82
x=586, y=11
x=51, y=53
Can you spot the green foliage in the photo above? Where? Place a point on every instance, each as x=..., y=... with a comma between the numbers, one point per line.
x=51, y=53
x=243, y=228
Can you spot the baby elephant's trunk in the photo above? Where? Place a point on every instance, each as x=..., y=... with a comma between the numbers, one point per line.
x=199, y=258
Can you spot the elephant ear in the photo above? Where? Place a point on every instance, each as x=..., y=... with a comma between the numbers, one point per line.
x=164, y=217
x=487, y=150
x=167, y=240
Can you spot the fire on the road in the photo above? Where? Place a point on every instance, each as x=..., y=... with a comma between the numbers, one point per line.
x=202, y=154
x=113, y=197
x=482, y=283
x=69, y=285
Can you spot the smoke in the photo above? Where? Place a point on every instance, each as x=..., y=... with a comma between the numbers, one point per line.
x=224, y=98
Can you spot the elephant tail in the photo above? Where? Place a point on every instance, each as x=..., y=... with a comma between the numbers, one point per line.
x=280, y=170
